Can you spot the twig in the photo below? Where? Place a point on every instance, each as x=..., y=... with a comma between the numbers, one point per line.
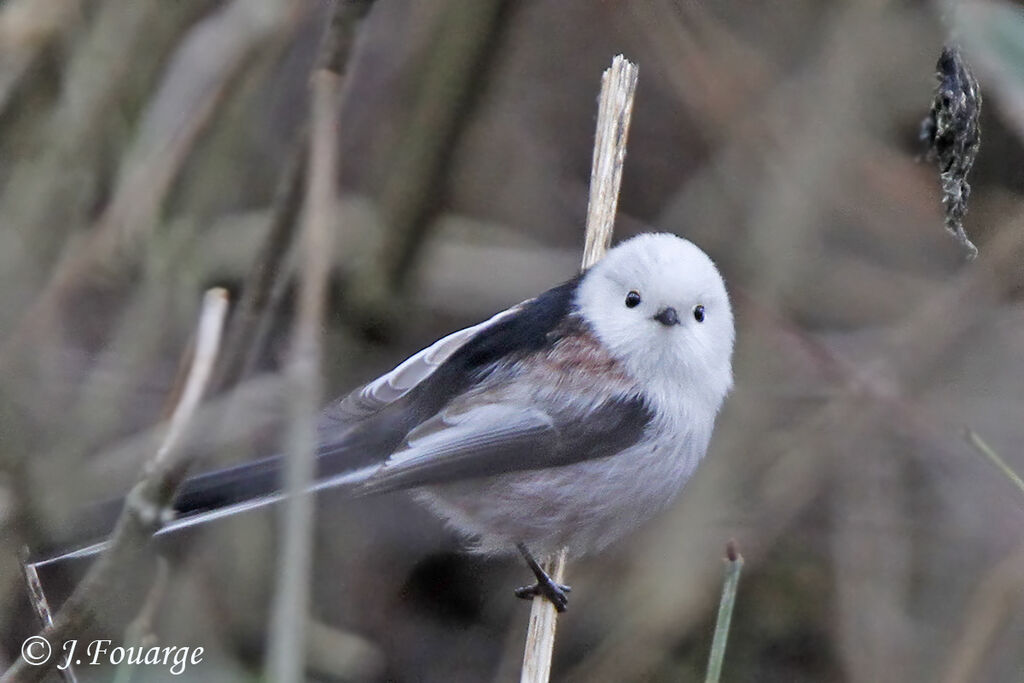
x=267, y=269
x=733, y=567
x=291, y=600
x=146, y=505
x=618, y=86
x=986, y=450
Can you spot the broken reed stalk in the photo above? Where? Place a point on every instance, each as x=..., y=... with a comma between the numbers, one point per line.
x=733, y=567
x=42, y=608
x=618, y=87
x=615, y=109
x=287, y=644
x=146, y=506
x=40, y=605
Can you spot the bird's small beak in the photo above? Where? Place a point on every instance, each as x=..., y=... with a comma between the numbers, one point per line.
x=667, y=317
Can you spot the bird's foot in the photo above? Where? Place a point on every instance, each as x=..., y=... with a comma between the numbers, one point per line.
x=548, y=588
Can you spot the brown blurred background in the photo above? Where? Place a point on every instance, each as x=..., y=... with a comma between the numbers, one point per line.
x=144, y=156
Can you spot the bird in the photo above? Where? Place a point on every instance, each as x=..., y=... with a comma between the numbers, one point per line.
x=563, y=422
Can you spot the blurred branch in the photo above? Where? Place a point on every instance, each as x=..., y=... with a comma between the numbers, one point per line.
x=993, y=604
x=198, y=78
x=868, y=491
x=264, y=280
x=268, y=268
x=146, y=506
x=27, y=27
x=341, y=655
x=139, y=632
x=291, y=600
x=922, y=341
x=452, y=80
x=339, y=42
x=615, y=107
x=469, y=279
x=221, y=424
x=733, y=567
x=53, y=192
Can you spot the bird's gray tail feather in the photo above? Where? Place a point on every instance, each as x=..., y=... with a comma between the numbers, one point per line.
x=207, y=497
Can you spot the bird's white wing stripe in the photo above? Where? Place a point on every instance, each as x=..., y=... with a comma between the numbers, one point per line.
x=395, y=384
x=486, y=426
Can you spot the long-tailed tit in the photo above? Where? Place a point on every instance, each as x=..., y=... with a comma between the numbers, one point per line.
x=564, y=421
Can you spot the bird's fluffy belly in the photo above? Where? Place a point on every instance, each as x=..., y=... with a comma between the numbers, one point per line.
x=583, y=506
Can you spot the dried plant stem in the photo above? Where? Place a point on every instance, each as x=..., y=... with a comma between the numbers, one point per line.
x=733, y=567
x=615, y=109
x=540, y=636
x=146, y=505
x=291, y=602
x=618, y=86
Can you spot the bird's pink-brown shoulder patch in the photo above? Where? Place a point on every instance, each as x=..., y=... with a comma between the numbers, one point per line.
x=579, y=353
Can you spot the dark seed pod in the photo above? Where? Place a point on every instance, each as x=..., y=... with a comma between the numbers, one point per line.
x=951, y=131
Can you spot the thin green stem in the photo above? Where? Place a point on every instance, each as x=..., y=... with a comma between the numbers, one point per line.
x=986, y=450
x=733, y=567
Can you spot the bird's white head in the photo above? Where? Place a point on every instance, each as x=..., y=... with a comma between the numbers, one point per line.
x=659, y=305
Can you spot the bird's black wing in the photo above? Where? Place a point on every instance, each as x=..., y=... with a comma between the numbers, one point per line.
x=360, y=432
x=368, y=425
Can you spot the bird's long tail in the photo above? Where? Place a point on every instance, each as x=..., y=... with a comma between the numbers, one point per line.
x=207, y=497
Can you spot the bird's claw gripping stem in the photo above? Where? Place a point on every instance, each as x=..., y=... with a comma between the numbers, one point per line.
x=554, y=592
x=546, y=586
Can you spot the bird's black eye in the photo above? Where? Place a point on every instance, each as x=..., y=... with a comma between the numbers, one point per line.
x=698, y=313
x=633, y=299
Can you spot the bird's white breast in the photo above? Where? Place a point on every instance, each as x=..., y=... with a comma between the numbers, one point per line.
x=583, y=506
